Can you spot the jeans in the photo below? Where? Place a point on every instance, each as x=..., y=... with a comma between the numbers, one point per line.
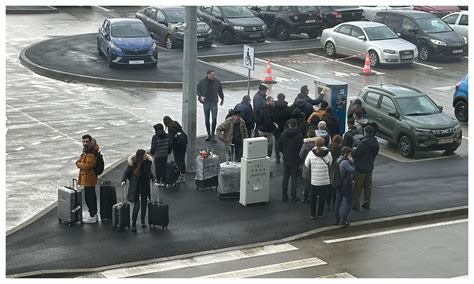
x=362, y=181
x=91, y=199
x=180, y=159
x=140, y=201
x=160, y=168
x=344, y=191
x=209, y=108
x=317, y=190
x=293, y=172
x=269, y=136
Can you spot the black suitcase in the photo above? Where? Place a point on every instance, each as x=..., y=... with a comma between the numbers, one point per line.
x=121, y=214
x=158, y=213
x=108, y=197
x=172, y=173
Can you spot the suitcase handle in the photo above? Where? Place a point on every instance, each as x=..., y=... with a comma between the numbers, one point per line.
x=124, y=189
x=231, y=153
x=156, y=188
x=74, y=184
x=210, y=150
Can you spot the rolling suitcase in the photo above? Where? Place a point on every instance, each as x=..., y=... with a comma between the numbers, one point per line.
x=207, y=169
x=108, y=197
x=229, y=177
x=121, y=213
x=70, y=204
x=158, y=213
x=172, y=173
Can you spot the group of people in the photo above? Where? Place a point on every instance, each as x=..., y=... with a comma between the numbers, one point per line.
x=333, y=165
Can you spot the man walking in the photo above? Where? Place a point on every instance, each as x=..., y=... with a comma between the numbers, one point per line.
x=364, y=156
x=290, y=144
x=87, y=175
x=233, y=131
x=258, y=102
x=207, y=91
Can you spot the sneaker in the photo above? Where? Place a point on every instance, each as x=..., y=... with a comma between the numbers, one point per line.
x=134, y=228
x=214, y=139
x=365, y=206
x=346, y=224
x=294, y=199
x=312, y=217
x=143, y=226
x=208, y=138
x=319, y=217
x=90, y=220
x=284, y=198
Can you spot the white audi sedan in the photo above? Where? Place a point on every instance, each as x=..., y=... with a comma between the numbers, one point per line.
x=359, y=38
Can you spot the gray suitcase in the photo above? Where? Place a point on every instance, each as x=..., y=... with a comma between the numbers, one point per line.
x=70, y=204
x=229, y=177
x=121, y=213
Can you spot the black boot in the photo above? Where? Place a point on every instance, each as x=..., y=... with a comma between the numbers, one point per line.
x=134, y=227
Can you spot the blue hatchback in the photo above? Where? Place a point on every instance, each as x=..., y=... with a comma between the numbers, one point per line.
x=460, y=99
x=126, y=41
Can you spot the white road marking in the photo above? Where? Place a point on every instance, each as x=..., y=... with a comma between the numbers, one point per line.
x=267, y=269
x=20, y=148
x=36, y=143
x=105, y=9
x=57, y=25
x=395, y=231
x=339, y=275
x=198, y=260
x=100, y=127
x=290, y=69
x=345, y=63
x=56, y=137
x=80, y=131
x=267, y=41
x=429, y=66
x=83, y=55
x=444, y=88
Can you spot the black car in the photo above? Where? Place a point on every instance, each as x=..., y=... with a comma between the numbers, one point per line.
x=432, y=36
x=166, y=26
x=233, y=23
x=334, y=15
x=286, y=20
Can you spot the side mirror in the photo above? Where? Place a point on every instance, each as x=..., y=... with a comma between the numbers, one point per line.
x=440, y=108
x=394, y=114
x=362, y=38
x=413, y=31
x=399, y=34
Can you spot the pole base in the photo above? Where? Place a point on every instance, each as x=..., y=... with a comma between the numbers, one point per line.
x=367, y=73
x=270, y=82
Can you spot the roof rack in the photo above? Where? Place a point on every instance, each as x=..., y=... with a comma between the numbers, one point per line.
x=382, y=89
x=408, y=87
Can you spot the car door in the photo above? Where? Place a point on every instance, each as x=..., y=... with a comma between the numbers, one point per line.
x=150, y=22
x=105, y=34
x=462, y=25
x=394, y=22
x=270, y=16
x=342, y=38
x=387, y=123
x=371, y=105
x=410, y=31
x=204, y=14
x=357, y=46
x=217, y=20
x=161, y=25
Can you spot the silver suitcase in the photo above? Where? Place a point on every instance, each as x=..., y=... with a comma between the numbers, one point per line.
x=70, y=204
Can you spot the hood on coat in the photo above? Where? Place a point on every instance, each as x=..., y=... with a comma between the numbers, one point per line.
x=321, y=133
x=296, y=113
x=131, y=158
x=93, y=147
x=291, y=132
x=322, y=152
x=281, y=104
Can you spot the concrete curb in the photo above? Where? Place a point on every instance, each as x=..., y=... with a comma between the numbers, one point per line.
x=33, y=10
x=366, y=224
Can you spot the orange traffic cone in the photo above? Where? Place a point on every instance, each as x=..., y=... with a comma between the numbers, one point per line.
x=367, y=71
x=268, y=74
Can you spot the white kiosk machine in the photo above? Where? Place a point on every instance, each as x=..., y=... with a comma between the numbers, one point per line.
x=255, y=172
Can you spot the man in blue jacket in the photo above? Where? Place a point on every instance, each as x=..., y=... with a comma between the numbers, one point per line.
x=246, y=113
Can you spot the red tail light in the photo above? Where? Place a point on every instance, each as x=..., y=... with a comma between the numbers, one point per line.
x=336, y=15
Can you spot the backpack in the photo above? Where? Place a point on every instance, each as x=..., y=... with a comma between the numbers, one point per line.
x=99, y=164
x=335, y=174
x=356, y=138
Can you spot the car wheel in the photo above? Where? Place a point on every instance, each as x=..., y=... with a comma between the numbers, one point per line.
x=374, y=58
x=460, y=110
x=313, y=34
x=227, y=37
x=424, y=53
x=330, y=49
x=169, y=42
x=282, y=32
x=406, y=147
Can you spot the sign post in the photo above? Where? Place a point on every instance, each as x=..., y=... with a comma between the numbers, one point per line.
x=249, y=62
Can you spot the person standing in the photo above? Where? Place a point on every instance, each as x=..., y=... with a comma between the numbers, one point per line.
x=208, y=90
x=303, y=105
x=335, y=149
x=344, y=185
x=139, y=175
x=348, y=139
x=266, y=123
x=321, y=131
x=304, y=93
x=179, y=145
x=259, y=100
x=160, y=149
x=247, y=114
x=308, y=145
x=87, y=176
x=282, y=114
x=332, y=121
x=318, y=160
x=290, y=142
x=233, y=131
x=364, y=157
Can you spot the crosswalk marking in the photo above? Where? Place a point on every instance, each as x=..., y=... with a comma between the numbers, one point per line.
x=198, y=260
x=267, y=269
x=339, y=275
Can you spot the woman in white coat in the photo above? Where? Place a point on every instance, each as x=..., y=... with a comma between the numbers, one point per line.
x=318, y=160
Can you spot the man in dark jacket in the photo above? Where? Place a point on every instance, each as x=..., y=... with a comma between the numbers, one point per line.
x=290, y=144
x=301, y=120
x=246, y=113
x=282, y=114
x=207, y=91
x=266, y=123
x=304, y=93
x=332, y=121
x=364, y=156
x=258, y=102
x=304, y=106
x=160, y=149
x=348, y=139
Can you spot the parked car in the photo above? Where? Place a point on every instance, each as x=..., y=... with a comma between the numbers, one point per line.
x=286, y=20
x=371, y=10
x=126, y=41
x=460, y=99
x=359, y=37
x=166, y=25
x=233, y=23
x=459, y=22
x=432, y=36
x=409, y=118
x=334, y=15
x=438, y=11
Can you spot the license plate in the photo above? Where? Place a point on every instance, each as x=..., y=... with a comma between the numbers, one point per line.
x=445, y=140
x=457, y=51
x=310, y=21
x=136, y=62
x=407, y=57
x=254, y=35
x=201, y=39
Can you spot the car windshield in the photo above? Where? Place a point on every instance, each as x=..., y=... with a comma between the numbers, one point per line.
x=129, y=30
x=175, y=16
x=237, y=12
x=433, y=25
x=308, y=9
x=380, y=33
x=421, y=105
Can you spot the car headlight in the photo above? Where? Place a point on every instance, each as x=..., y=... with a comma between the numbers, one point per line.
x=114, y=47
x=264, y=27
x=153, y=46
x=423, y=130
x=180, y=33
x=457, y=126
x=389, y=51
x=209, y=31
x=239, y=28
x=438, y=42
x=465, y=40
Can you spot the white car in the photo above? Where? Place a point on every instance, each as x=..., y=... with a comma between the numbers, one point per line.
x=370, y=10
x=459, y=22
x=362, y=37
